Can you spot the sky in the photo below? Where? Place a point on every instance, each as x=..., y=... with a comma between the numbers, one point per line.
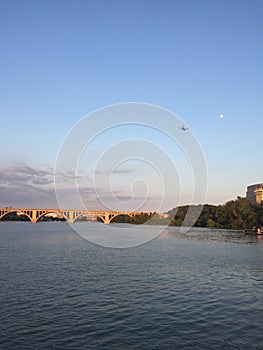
x=63, y=60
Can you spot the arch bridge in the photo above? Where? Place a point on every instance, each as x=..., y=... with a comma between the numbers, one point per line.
x=71, y=216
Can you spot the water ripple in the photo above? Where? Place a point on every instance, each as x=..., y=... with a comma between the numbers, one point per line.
x=201, y=290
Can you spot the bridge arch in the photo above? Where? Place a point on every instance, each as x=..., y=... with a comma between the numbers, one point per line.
x=40, y=215
x=76, y=217
x=131, y=215
x=8, y=212
x=107, y=217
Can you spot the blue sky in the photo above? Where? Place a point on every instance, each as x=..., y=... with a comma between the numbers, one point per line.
x=61, y=60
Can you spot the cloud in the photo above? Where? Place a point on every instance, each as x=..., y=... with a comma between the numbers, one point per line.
x=67, y=176
x=27, y=196
x=23, y=185
x=113, y=172
x=26, y=186
x=122, y=171
x=25, y=175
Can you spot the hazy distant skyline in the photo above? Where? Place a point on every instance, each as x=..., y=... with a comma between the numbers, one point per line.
x=62, y=60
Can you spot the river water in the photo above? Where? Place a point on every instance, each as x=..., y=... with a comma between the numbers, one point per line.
x=197, y=290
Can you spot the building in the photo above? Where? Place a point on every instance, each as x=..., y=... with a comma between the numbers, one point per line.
x=255, y=193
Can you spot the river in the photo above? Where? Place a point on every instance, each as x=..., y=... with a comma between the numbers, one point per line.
x=197, y=290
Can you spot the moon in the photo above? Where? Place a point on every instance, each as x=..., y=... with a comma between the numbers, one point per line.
x=221, y=115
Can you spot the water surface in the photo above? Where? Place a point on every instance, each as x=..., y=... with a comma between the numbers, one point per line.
x=197, y=290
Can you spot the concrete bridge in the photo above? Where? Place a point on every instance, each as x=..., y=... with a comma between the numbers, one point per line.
x=70, y=215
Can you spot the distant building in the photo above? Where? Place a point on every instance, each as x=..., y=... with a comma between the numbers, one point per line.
x=163, y=216
x=255, y=193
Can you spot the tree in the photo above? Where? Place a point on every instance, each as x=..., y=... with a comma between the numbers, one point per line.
x=237, y=215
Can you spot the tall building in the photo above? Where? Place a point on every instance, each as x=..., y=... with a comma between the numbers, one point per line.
x=255, y=193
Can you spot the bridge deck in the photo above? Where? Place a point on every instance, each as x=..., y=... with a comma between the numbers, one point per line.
x=71, y=215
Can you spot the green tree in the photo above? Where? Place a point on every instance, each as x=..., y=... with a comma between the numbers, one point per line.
x=236, y=214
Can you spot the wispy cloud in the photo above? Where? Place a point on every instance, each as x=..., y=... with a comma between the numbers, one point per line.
x=113, y=172
x=122, y=171
x=26, y=186
x=27, y=196
x=25, y=175
x=23, y=185
x=68, y=175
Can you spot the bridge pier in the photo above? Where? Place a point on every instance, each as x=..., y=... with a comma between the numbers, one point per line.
x=107, y=218
x=71, y=216
x=33, y=216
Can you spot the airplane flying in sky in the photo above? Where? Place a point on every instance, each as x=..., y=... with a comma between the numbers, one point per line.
x=184, y=128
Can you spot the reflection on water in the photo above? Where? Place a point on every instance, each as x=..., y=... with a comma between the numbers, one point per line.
x=219, y=235
x=196, y=290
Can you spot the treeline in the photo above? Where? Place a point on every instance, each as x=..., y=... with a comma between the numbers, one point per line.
x=137, y=219
x=236, y=214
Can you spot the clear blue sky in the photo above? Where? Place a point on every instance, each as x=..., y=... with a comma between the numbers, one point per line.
x=61, y=60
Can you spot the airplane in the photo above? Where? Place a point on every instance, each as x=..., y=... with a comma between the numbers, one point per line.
x=183, y=128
